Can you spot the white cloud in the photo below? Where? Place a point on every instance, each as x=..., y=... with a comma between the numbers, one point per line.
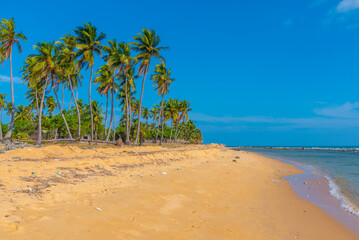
x=4, y=78
x=341, y=116
x=347, y=5
x=347, y=110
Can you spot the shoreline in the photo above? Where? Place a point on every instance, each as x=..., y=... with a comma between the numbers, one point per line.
x=186, y=192
x=321, y=191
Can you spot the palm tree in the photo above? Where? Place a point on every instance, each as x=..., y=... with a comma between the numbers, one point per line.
x=51, y=105
x=184, y=109
x=3, y=104
x=88, y=43
x=23, y=113
x=106, y=81
x=97, y=115
x=146, y=44
x=8, y=39
x=145, y=114
x=172, y=108
x=162, y=80
x=71, y=69
x=43, y=67
x=127, y=80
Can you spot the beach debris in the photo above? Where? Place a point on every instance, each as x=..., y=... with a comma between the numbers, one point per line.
x=98, y=208
x=234, y=161
x=305, y=183
x=275, y=180
x=32, y=173
x=76, y=180
x=237, y=157
x=58, y=172
x=15, y=189
x=178, y=169
x=222, y=156
x=30, y=188
x=57, y=159
x=163, y=172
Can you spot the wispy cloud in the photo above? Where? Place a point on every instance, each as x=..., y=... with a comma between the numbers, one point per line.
x=347, y=110
x=347, y=5
x=340, y=116
x=4, y=78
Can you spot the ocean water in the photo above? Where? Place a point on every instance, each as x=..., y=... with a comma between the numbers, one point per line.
x=341, y=169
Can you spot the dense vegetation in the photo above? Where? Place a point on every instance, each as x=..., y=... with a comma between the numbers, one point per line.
x=55, y=67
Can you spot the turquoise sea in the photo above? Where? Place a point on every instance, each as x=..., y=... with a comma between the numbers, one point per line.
x=340, y=168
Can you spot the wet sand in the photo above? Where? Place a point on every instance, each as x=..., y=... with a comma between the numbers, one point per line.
x=191, y=192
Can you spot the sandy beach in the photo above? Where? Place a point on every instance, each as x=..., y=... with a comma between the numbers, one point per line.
x=188, y=192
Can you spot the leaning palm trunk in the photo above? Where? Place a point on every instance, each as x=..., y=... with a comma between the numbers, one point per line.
x=1, y=124
x=171, y=130
x=62, y=114
x=158, y=126
x=8, y=134
x=77, y=108
x=113, y=112
x=62, y=95
x=176, y=132
x=106, y=114
x=179, y=130
x=159, y=117
x=39, y=135
x=111, y=118
x=90, y=105
x=127, y=141
x=162, y=123
x=139, y=108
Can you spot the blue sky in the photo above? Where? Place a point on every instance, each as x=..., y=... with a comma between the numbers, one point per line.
x=256, y=72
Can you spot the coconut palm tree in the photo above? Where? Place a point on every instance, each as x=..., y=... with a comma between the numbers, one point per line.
x=97, y=115
x=106, y=81
x=172, y=108
x=162, y=80
x=146, y=44
x=88, y=43
x=42, y=68
x=70, y=69
x=8, y=39
x=51, y=105
x=184, y=108
x=23, y=113
x=3, y=104
x=145, y=114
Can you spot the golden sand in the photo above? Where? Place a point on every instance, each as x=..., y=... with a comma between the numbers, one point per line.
x=190, y=192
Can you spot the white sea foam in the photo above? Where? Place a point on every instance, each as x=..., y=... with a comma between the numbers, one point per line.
x=344, y=201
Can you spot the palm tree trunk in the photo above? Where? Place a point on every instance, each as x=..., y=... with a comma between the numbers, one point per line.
x=37, y=101
x=159, y=117
x=171, y=129
x=62, y=114
x=70, y=102
x=180, y=129
x=90, y=105
x=62, y=95
x=162, y=123
x=1, y=124
x=106, y=114
x=139, y=108
x=8, y=134
x=77, y=108
x=113, y=111
x=111, y=118
x=39, y=135
x=158, y=126
x=176, y=132
x=127, y=141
